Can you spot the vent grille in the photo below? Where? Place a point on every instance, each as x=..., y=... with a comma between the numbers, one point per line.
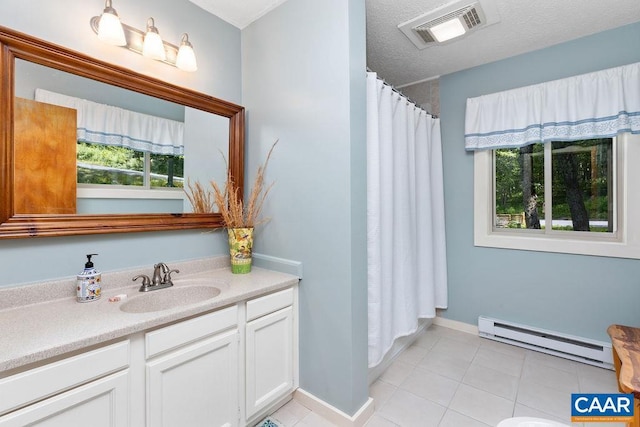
x=472, y=16
x=448, y=17
x=424, y=34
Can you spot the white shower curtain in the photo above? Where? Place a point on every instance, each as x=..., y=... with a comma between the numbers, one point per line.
x=407, y=276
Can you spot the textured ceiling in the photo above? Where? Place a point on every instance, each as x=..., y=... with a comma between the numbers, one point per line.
x=524, y=26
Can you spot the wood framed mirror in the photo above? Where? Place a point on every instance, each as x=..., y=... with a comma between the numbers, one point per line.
x=14, y=224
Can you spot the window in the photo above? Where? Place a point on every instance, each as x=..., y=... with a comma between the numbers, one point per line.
x=121, y=153
x=107, y=165
x=573, y=192
x=577, y=192
x=573, y=197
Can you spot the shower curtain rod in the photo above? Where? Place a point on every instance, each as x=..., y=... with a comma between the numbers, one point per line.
x=399, y=92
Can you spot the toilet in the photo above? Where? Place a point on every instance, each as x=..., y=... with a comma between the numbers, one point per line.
x=529, y=422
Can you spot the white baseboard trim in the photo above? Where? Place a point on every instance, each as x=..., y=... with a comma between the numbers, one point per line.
x=333, y=414
x=454, y=324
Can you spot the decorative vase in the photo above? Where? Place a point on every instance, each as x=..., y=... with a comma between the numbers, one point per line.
x=240, y=245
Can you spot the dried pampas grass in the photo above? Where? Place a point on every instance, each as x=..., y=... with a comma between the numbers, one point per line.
x=200, y=199
x=228, y=199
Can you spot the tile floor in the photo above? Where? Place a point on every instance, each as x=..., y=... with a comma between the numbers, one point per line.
x=449, y=378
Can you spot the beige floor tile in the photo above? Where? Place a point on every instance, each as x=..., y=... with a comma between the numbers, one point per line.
x=552, y=361
x=544, y=398
x=314, y=420
x=291, y=413
x=563, y=380
x=459, y=349
x=596, y=380
x=500, y=347
x=431, y=386
x=480, y=405
x=525, y=411
x=492, y=381
x=378, y=421
x=413, y=355
x=445, y=364
x=456, y=335
x=427, y=339
x=396, y=373
x=380, y=391
x=498, y=361
x=454, y=419
x=408, y=410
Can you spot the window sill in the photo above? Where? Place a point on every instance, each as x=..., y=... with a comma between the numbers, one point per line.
x=130, y=193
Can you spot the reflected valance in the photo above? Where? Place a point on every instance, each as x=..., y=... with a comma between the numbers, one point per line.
x=109, y=125
x=601, y=104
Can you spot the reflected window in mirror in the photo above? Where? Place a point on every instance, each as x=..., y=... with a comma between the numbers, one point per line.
x=129, y=152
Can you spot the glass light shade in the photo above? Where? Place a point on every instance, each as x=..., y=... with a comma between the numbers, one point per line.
x=448, y=30
x=186, y=59
x=110, y=29
x=152, y=47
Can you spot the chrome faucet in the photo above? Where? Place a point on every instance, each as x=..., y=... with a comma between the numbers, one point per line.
x=161, y=278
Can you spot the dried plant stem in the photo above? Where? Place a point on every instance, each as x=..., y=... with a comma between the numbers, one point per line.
x=228, y=199
x=201, y=199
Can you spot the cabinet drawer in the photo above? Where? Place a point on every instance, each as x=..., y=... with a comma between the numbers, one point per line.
x=182, y=333
x=35, y=384
x=269, y=303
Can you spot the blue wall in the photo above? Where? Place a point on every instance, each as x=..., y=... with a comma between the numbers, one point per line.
x=580, y=295
x=217, y=46
x=303, y=83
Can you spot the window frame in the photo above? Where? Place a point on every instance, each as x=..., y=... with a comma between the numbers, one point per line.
x=116, y=191
x=624, y=242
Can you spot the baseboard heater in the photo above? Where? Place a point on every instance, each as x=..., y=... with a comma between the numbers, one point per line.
x=558, y=344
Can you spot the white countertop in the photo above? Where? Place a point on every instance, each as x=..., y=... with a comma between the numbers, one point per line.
x=56, y=324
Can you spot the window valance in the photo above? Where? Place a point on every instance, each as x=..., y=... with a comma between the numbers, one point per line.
x=109, y=125
x=595, y=105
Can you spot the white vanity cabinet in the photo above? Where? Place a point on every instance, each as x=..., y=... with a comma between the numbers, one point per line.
x=192, y=372
x=91, y=388
x=270, y=350
x=229, y=367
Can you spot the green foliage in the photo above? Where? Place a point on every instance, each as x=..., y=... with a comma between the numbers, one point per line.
x=115, y=157
x=101, y=164
x=592, y=159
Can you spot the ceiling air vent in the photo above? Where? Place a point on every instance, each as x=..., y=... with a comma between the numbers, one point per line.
x=445, y=23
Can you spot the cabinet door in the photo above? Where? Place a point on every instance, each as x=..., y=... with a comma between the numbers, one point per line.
x=269, y=359
x=196, y=385
x=101, y=403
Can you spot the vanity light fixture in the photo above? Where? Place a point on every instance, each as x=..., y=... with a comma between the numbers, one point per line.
x=152, y=46
x=186, y=59
x=110, y=28
x=147, y=43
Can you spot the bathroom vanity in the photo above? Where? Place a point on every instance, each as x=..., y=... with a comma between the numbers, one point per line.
x=150, y=359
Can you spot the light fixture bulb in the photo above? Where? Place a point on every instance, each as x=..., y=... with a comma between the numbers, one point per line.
x=152, y=47
x=110, y=28
x=448, y=30
x=186, y=59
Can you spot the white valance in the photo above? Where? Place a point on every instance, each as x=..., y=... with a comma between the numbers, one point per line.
x=109, y=125
x=601, y=104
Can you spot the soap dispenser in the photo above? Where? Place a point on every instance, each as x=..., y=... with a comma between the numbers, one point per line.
x=89, y=282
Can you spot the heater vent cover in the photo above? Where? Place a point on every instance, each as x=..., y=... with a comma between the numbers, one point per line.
x=418, y=30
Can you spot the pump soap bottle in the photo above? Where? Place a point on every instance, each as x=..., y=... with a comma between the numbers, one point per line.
x=89, y=282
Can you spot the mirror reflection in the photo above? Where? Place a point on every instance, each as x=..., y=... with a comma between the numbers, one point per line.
x=86, y=147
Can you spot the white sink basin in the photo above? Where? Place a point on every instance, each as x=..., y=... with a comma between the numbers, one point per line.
x=164, y=299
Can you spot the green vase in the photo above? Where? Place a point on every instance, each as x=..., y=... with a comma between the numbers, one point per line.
x=240, y=245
